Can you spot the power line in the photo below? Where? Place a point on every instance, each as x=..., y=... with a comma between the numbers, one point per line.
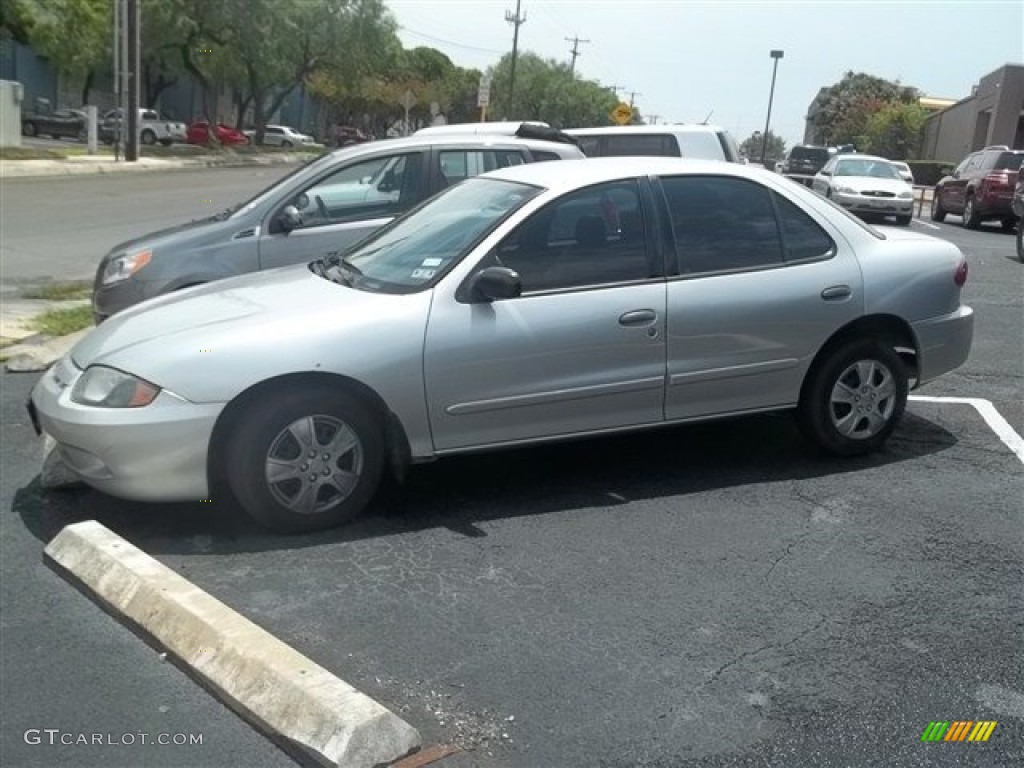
x=449, y=42
x=575, y=51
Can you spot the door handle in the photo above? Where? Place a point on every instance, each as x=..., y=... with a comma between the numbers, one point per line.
x=638, y=317
x=836, y=292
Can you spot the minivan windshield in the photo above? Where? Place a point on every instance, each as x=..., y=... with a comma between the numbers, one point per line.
x=416, y=249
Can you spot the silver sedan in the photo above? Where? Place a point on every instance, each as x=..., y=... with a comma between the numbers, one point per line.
x=536, y=303
x=866, y=185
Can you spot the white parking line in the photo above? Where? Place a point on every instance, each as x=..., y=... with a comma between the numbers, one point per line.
x=992, y=417
x=925, y=224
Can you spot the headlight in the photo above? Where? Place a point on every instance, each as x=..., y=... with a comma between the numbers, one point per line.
x=124, y=265
x=906, y=195
x=845, y=190
x=111, y=388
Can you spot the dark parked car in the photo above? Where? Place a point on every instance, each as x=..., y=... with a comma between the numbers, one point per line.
x=805, y=160
x=1018, y=209
x=981, y=188
x=60, y=123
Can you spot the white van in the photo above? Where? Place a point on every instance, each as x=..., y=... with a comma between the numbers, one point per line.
x=707, y=142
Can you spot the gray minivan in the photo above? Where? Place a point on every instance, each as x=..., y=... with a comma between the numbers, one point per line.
x=707, y=142
x=319, y=210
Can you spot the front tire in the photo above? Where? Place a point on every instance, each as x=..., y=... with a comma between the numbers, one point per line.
x=148, y=138
x=305, y=460
x=1020, y=240
x=903, y=221
x=938, y=213
x=854, y=398
x=971, y=217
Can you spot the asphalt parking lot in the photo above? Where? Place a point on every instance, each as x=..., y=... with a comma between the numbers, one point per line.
x=708, y=595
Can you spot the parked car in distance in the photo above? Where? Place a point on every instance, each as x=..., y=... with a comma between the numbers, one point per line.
x=199, y=133
x=153, y=127
x=538, y=302
x=320, y=209
x=60, y=123
x=281, y=136
x=706, y=142
x=903, y=169
x=866, y=185
x=806, y=160
x=980, y=188
x=1018, y=209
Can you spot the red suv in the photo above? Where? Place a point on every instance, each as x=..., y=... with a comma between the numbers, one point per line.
x=980, y=188
x=199, y=133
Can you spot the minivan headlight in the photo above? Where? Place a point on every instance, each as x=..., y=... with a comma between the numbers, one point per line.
x=110, y=388
x=124, y=265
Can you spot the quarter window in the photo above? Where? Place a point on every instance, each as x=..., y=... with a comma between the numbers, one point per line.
x=722, y=224
x=592, y=237
x=805, y=240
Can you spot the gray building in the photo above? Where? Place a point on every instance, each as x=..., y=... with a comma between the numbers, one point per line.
x=992, y=115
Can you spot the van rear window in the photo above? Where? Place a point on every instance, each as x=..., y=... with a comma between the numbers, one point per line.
x=638, y=144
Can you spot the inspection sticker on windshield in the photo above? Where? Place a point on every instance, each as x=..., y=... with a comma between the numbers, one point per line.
x=433, y=262
x=425, y=274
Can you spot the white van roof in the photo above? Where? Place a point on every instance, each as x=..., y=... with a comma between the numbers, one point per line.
x=498, y=128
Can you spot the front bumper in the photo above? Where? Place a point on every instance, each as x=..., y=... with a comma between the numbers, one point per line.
x=883, y=206
x=943, y=343
x=154, y=453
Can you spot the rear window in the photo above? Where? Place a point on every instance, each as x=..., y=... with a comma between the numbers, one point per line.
x=1009, y=161
x=640, y=144
x=818, y=154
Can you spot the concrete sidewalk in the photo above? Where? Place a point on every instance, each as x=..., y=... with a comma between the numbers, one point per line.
x=22, y=348
x=89, y=164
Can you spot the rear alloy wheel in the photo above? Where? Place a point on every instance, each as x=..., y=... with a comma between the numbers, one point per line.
x=971, y=217
x=938, y=212
x=854, y=398
x=305, y=460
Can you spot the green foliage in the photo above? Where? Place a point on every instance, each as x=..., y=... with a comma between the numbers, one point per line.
x=894, y=131
x=61, y=322
x=841, y=112
x=751, y=147
x=546, y=90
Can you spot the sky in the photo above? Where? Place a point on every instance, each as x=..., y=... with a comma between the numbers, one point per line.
x=686, y=59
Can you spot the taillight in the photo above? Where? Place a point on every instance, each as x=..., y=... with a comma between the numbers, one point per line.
x=960, y=276
x=998, y=179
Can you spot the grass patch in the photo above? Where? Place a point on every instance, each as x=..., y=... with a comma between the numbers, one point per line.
x=59, y=291
x=61, y=322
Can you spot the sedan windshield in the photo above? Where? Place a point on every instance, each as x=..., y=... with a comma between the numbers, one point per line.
x=873, y=168
x=413, y=251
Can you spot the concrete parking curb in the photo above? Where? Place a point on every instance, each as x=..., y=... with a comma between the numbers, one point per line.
x=76, y=166
x=303, y=707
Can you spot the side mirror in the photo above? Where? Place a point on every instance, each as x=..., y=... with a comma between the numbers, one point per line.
x=289, y=218
x=492, y=283
x=826, y=173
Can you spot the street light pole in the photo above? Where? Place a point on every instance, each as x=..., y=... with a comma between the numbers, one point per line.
x=776, y=55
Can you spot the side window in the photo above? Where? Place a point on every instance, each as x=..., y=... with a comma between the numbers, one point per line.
x=590, y=145
x=658, y=145
x=460, y=164
x=722, y=223
x=592, y=237
x=372, y=188
x=540, y=156
x=805, y=240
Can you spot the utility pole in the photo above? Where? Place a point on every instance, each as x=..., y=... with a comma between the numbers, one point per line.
x=575, y=51
x=653, y=119
x=632, y=97
x=516, y=21
x=131, y=120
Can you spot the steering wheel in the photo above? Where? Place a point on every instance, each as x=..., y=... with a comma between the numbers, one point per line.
x=321, y=207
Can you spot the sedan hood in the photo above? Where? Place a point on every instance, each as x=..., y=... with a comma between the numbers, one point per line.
x=269, y=297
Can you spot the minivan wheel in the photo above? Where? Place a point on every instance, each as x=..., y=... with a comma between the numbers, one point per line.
x=938, y=212
x=305, y=460
x=854, y=398
x=972, y=219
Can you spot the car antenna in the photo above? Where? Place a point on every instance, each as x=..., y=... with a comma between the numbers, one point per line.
x=708, y=117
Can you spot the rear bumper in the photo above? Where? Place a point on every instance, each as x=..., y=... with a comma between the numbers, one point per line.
x=943, y=343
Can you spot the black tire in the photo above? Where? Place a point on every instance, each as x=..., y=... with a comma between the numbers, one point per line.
x=29, y=129
x=1020, y=240
x=1008, y=225
x=904, y=221
x=265, y=432
x=83, y=135
x=860, y=368
x=286, y=144
x=938, y=213
x=148, y=138
x=167, y=142
x=971, y=217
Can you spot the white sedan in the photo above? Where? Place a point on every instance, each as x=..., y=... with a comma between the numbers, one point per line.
x=866, y=185
x=282, y=136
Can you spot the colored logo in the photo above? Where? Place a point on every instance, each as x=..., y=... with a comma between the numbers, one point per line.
x=958, y=730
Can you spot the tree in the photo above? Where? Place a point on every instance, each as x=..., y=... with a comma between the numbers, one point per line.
x=840, y=112
x=894, y=131
x=775, y=149
x=546, y=90
x=73, y=34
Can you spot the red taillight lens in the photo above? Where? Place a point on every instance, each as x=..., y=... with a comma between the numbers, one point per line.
x=998, y=179
x=960, y=277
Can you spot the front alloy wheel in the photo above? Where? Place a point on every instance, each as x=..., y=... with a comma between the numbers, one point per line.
x=854, y=398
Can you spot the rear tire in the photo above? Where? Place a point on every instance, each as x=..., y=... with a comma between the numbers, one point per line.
x=938, y=213
x=305, y=460
x=971, y=217
x=853, y=399
x=29, y=129
x=148, y=138
x=286, y=144
x=1020, y=240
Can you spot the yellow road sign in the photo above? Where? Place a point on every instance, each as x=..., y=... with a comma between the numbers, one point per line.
x=622, y=113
